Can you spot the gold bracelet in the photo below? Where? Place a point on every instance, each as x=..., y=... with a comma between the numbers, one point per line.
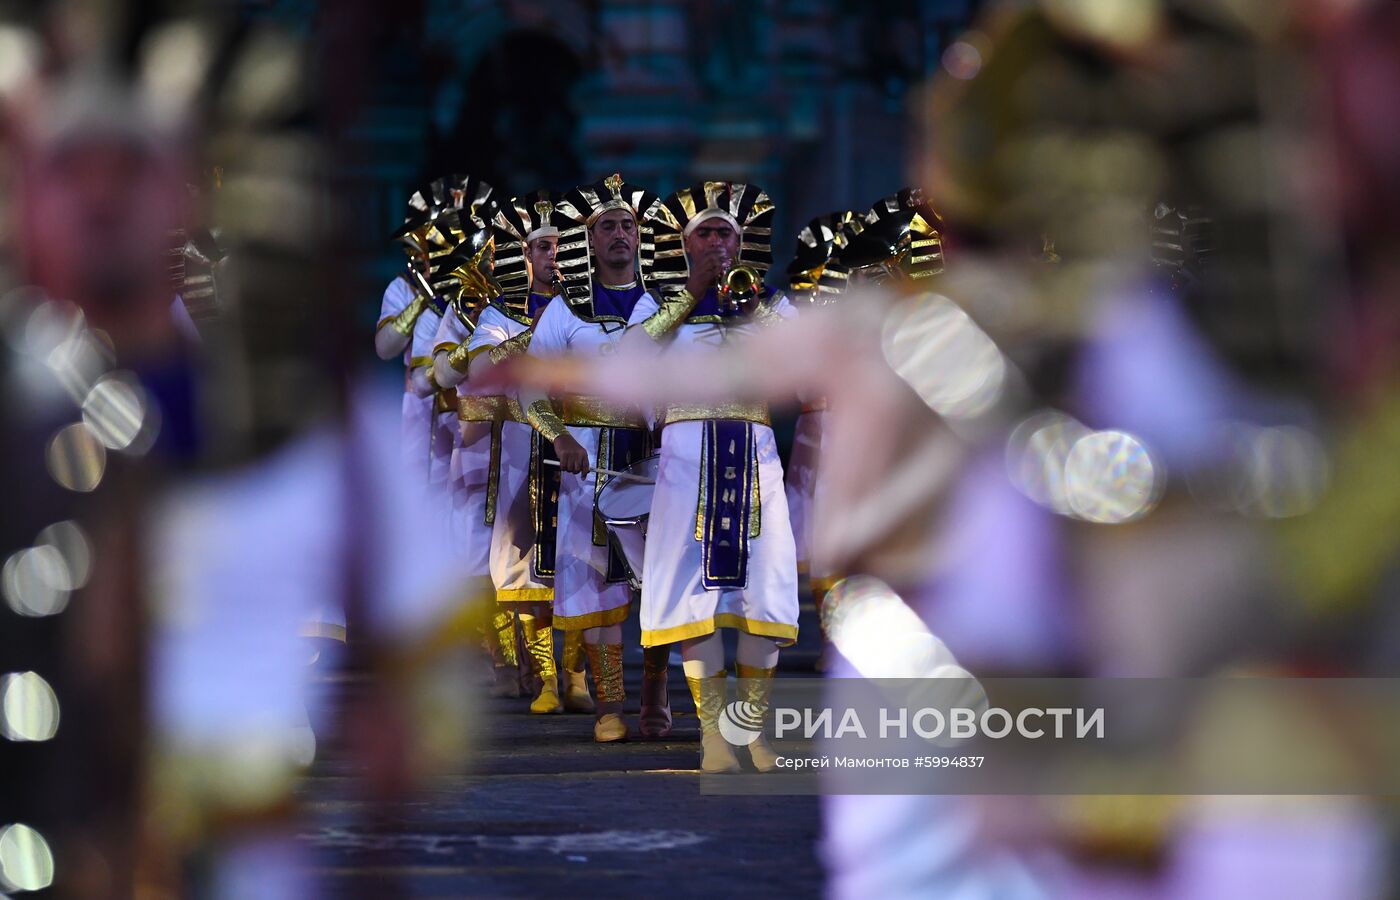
x=545, y=420
x=671, y=313
x=459, y=358
x=404, y=321
x=513, y=347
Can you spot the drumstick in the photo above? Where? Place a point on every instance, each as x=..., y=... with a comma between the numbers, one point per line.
x=613, y=472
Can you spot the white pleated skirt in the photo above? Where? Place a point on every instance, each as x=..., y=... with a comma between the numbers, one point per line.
x=675, y=604
x=513, y=533
x=583, y=597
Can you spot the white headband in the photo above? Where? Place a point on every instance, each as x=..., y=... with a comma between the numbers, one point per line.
x=705, y=215
x=542, y=231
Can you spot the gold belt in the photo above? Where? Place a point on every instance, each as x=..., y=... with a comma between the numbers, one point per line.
x=495, y=408
x=596, y=413
x=743, y=412
x=444, y=401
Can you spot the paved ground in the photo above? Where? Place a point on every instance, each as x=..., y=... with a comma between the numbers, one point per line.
x=547, y=812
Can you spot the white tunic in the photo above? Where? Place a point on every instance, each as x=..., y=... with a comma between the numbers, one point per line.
x=583, y=597
x=468, y=472
x=675, y=604
x=417, y=411
x=513, y=531
x=442, y=427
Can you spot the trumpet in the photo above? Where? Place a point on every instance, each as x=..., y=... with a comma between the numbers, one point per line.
x=738, y=289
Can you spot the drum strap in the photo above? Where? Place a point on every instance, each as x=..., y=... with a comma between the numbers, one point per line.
x=618, y=448
x=727, y=515
x=544, y=506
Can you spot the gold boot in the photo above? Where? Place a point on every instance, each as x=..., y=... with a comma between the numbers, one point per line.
x=655, y=720
x=507, y=662
x=606, y=662
x=755, y=686
x=577, y=698
x=539, y=641
x=709, y=695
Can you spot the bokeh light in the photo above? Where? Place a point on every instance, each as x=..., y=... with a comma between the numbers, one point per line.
x=1275, y=472
x=76, y=458
x=115, y=409
x=72, y=542
x=26, y=863
x=941, y=353
x=36, y=581
x=1111, y=478
x=1036, y=454
x=28, y=707
x=962, y=60
x=880, y=635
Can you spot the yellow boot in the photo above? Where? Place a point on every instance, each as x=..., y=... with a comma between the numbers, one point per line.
x=539, y=641
x=507, y=663
x=606, y=662
x=709, y=695
x=755, y=686
x=577, y=698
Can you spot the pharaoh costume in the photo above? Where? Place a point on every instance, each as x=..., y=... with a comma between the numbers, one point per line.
x=588, y=318
x=720, y=549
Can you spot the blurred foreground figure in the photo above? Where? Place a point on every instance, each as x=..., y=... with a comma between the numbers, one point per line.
x=1106, y=419
x=219, y=522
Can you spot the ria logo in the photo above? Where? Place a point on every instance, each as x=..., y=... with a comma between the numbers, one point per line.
x=741, y=723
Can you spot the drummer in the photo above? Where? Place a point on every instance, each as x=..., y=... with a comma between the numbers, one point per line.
x=720, y=549
x=597, y=262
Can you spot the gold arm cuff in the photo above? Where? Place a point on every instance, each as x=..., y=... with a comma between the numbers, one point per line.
x=814, y=406
x=545, y=420
x=496, y=408
x=417, y=362
x=513, y=347
x=459, y=358
x=670, y=314
x=743, y=412
x=594, y=412
x=404, y=321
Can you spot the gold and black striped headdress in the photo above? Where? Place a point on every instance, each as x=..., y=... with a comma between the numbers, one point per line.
x=519, y=222
x=814, y=274
x=902, y=234
x=744, y=206
x=463, y=193
x=578, y=210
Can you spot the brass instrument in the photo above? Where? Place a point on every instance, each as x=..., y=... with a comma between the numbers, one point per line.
x=738, y=289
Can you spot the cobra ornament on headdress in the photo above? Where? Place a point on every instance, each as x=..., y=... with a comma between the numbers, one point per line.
x=745, y=206
x=815, y=274
x=902, y=236
x=518, y=222
x=576, y=213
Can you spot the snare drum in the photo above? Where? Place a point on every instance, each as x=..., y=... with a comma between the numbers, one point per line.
x=624, y=505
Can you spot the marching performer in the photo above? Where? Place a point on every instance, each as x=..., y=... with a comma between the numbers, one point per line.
x=404, y=301
x=516, y=506
x=598, y=266
x=457, y=210
x=814, y=277
x=720, y=549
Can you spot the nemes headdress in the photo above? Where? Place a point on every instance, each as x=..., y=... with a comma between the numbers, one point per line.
x=744, y=206
x=428, y=203
x=902, y=234
x=814, y=274
x=518, y=222
x=579, y=209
